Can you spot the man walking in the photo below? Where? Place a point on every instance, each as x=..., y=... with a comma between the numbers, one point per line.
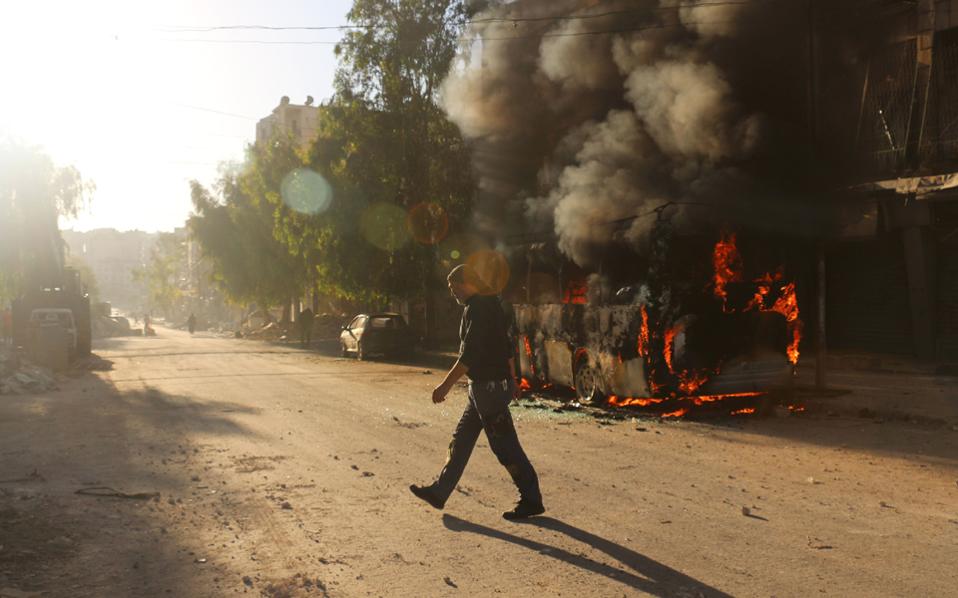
x=485, y=356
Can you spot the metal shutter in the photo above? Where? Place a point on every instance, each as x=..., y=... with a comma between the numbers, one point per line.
x=867, y=297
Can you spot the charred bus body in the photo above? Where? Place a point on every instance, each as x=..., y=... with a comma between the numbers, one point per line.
x=689, y=323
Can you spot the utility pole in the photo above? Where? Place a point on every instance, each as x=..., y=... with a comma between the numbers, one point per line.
x=821, y=346
x=915, y=216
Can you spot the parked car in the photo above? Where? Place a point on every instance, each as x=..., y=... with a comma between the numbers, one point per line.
x=385, y=334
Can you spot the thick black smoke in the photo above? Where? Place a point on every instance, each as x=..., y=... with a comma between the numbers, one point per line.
x=586, y=116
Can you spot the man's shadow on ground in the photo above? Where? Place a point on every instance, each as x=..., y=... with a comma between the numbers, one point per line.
x=647, y=575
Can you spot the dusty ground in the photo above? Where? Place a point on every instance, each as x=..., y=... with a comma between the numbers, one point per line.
x=284, y=473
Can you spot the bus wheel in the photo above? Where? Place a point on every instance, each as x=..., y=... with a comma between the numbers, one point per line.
x=587, y=387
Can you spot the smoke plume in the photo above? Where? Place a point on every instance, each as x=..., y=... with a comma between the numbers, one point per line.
x=586, y=117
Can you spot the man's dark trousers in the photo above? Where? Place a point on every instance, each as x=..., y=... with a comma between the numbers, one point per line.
x=488, y=409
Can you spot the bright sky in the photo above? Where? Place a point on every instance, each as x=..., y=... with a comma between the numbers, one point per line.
x=114, y=89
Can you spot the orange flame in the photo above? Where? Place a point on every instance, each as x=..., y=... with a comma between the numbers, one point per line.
x=745, y=411
x=727, y=265
x=633, y=401
x=615, y=401
x=669, y=345
x=691, y=381
x=702, y=399
x=575, y=293
x=524, y=385
x=644, y=334
x=653, y=385
x=787, y=305
x=528, y=348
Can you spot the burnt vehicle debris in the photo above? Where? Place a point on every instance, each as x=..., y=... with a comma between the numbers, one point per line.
x=655, y=331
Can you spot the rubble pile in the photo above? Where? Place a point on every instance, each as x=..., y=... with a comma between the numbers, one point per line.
x=271, y=331
x=8, y=362
x=18, y=376
x=105, y=327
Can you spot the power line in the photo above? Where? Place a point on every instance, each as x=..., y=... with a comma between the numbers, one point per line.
x=472, y=39
x=254, y=41
x=568, y=17
x=467, y=40
x=207, y=29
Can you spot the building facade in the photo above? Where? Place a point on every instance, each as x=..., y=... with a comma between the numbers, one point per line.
x=112, y=255
x=301, y=122
x=888, y=120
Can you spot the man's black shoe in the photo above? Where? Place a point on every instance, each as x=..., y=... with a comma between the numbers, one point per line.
x=524, y=510
x=427, y=494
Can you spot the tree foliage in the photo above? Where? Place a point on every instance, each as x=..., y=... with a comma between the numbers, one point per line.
x=34, y=193
x=236, y=233
x=90, y=283
x=385, y=141
x=392, y=161
x=164, y=273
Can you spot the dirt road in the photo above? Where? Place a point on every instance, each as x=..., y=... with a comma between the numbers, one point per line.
x=285, y=473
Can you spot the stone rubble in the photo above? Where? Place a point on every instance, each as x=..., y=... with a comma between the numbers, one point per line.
x=18, y=376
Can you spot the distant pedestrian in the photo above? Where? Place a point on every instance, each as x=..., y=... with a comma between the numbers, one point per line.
x=191, y=323
x=486, y=357
x=305, y=322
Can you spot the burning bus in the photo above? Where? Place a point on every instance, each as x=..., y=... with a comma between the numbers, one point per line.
x=693, y=327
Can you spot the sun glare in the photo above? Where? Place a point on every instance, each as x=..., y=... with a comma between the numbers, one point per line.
x=100, y=85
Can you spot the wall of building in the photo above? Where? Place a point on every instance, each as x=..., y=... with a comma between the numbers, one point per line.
x=112, y=255
x=301, y=121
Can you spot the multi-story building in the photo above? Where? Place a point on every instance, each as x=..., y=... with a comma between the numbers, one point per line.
x=112, y=255
x=299, y=121
x=888, y=122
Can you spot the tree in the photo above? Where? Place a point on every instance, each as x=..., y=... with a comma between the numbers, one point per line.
x=235, y=232
x=33, y=194
x=86, y=275
x=396, y=170
x=393, y=158
x=164, y=274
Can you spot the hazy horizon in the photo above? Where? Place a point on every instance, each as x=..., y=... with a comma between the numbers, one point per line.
x=168, y=104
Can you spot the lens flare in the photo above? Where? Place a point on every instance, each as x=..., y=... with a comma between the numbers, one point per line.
x=306, y=191
x=459, y=246
x=428, y=223
x=492, y=267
